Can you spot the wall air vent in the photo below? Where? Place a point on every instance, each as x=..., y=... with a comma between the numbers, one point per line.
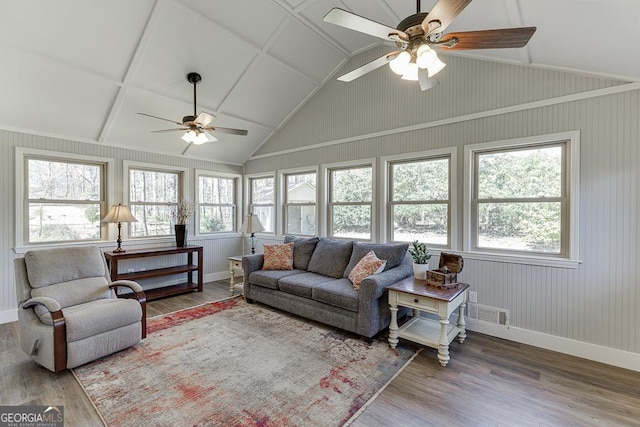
x=484, y=313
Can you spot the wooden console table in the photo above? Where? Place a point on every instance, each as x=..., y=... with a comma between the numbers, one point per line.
x=188, y=268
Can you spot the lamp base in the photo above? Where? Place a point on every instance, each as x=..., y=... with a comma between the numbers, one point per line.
x=118, y=250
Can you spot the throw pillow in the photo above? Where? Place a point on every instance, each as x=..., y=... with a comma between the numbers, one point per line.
x=330, y=257
x=278, y=257
x=394, y=253
x=302, y=250
x=368, y=265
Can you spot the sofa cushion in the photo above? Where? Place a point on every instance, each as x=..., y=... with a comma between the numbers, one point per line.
x=393, y=253
x=331, y=257
x=278, y=257
x=368, y=265
x=338, y=293
x=269, y=278
x=302, y=250
x=302, y=284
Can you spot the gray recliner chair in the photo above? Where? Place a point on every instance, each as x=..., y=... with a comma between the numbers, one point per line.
x=68, y=310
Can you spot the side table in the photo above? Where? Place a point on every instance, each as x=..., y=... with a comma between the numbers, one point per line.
x=419, y=296
x=235, y=264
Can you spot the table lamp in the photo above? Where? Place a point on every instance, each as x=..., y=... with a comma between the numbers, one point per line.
x=252, y=225
x=119, y=214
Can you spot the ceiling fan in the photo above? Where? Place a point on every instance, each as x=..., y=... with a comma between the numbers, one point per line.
x=198, y=126
x=419, y=36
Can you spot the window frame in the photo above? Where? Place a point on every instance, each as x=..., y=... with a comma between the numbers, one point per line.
x=569, y=253
x=328, y=194
x=249, y=198
x=182, y=191
x=22, y=156
x=237, y=195
x=285, y=204
x=387, y=182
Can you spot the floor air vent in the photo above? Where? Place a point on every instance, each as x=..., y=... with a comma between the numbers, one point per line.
x=484, y=313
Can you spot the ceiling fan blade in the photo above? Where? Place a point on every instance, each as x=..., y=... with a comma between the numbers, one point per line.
x=168, y=130
x=369, y=66
x=240, y=132
x=425, y=81
x=204, y=119
x=487, y=39
x=442, y=15
x=160, y=118
x=355, y=22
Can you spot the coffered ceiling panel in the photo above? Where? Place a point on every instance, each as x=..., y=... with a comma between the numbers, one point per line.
x=302, y=48
x=90, y=35
x=51, y=98
x=80, y=69
x=268, y=92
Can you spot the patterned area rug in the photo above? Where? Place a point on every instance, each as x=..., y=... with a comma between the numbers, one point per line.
x=231, y=363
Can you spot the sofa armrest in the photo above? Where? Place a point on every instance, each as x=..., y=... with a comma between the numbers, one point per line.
x=374, y=286
x=49, y=303
x=251, y=263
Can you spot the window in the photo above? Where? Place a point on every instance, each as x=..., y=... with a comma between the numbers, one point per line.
x=153, y=199
x=216, y=204
x=523, y=196
x=65, y=199
x=261, y=201
x=419, y=201
x=300, y=203
x=350, y=202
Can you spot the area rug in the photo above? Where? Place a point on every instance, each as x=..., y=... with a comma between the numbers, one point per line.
x=230, y=363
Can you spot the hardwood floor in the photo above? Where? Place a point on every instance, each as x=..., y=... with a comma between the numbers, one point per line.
x=488, y=382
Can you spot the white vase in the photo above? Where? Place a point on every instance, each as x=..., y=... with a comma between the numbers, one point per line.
x=420, y=271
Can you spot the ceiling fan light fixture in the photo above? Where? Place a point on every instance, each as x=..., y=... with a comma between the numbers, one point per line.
x=425, y=56
x=411, y=73
x=436, y=67
x=400, y=63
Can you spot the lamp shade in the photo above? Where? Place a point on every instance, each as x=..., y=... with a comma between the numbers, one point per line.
x=119, y=213
x=251, y=224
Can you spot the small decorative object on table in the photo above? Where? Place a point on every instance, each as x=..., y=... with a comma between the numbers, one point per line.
x=446, y=275
x=182, y=213
x=420, y=254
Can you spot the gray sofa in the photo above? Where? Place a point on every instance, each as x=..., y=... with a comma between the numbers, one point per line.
x=318, y=286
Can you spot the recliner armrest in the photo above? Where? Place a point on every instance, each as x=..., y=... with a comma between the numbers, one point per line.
x=134, y=286
x=49, y=303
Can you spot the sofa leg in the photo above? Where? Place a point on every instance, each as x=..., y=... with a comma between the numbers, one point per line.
x=249, y=300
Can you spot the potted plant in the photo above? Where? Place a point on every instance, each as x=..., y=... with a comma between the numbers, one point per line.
x=182, y=213
x=420, y=254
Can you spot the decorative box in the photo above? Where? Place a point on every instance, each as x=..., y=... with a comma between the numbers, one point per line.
x=446, y=275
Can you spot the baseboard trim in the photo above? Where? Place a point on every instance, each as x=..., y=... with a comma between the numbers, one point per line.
x=9, y=316
x=597, y=353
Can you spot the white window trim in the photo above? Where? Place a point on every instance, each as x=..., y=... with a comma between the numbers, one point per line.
x=324, y=195
x=20, y=196
x=282, y=194
x=384, y=210
x=572, y=260
x=238, y=196
x=276, y=195
x=185, y=192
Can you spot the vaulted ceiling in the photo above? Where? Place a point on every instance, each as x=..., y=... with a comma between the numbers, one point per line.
x=82, y=69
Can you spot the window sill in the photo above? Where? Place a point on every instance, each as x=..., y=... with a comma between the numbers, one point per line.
x=520, y=259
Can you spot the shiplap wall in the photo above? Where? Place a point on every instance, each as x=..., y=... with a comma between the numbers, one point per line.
x=216, y=250
x=594, y=305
